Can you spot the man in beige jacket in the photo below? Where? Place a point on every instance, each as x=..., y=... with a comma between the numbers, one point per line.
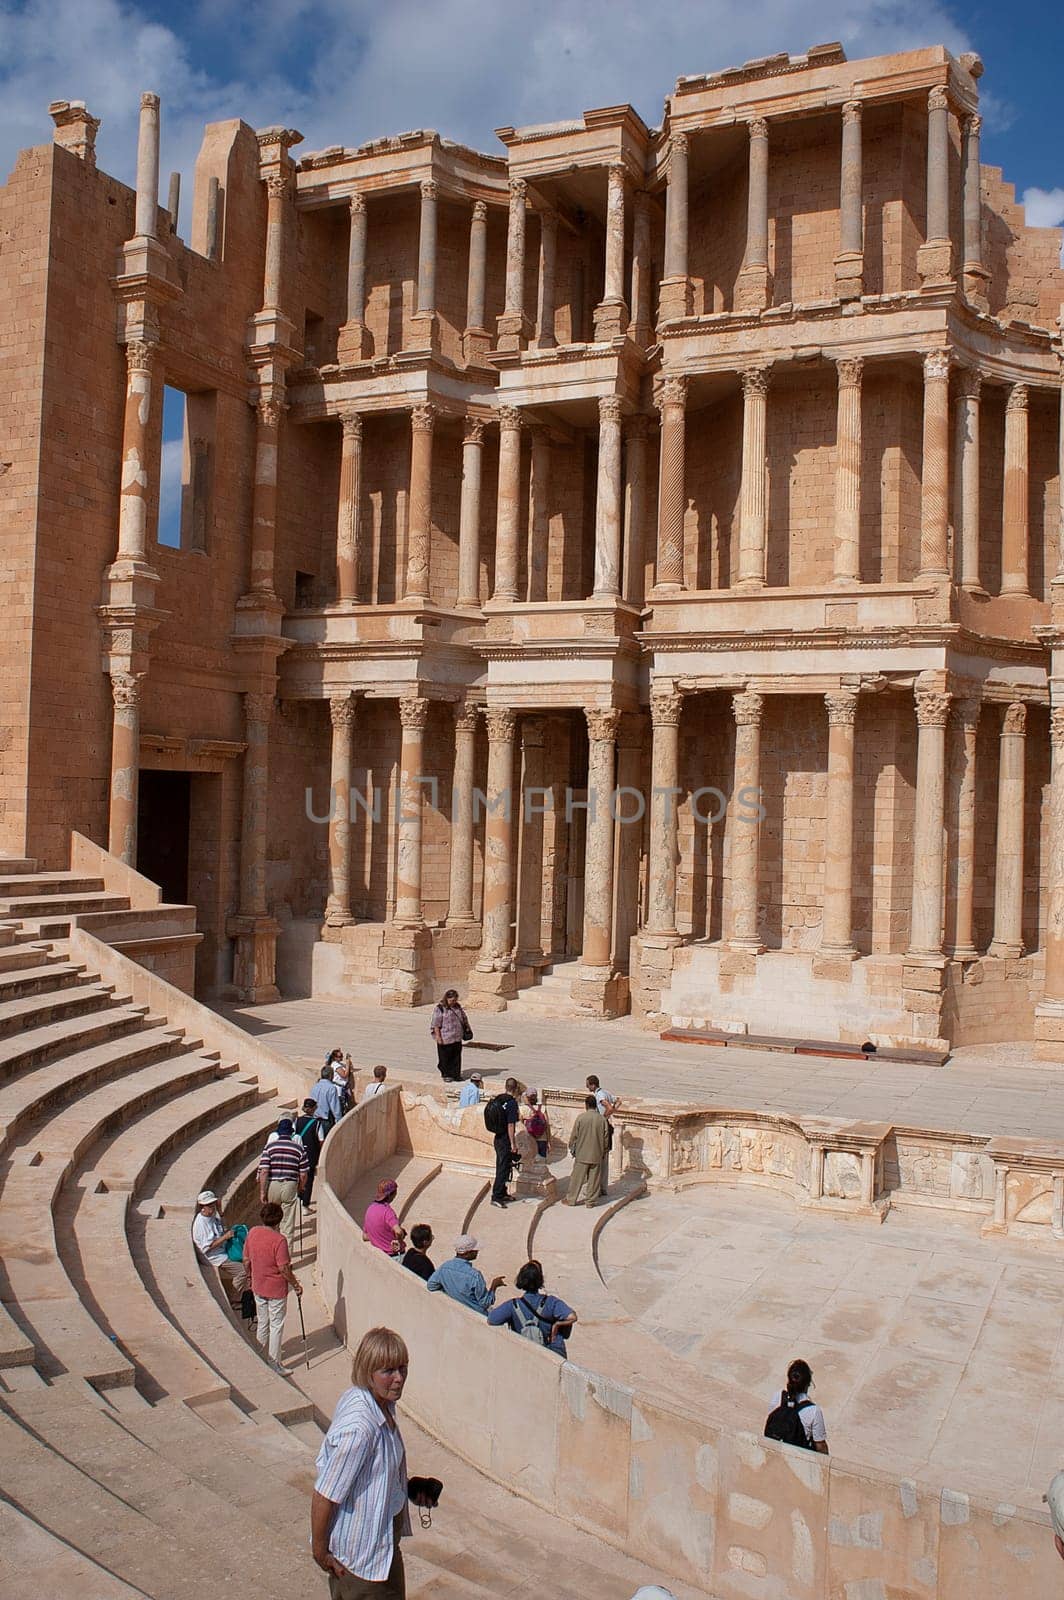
x=588, y=1144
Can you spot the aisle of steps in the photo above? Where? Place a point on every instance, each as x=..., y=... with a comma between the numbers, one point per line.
x=550, y=995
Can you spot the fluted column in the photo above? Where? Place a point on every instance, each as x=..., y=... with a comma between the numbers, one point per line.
x=469, y=513
x=278, y=189
x=348, y=509
x=665, y=707
x=497, y=945
x=1014, y=522
x=548, y=256
x=637, y=430
x=836, y=937
x=848, y=473
x=1008, y=864
x=269, y=414
x=642, y=328
x=1054, y=934
x=934, y=259
x=608, y=502
x=342, y=712
x=476, y=340
x=754, y=288
x=419, y=536
x=962, y=858
x=967, y=494
x=133, y=495
x=530, y=890
x=849, y=263
x=598, y=862
x=513, y=324
x=147, y=207
x=744, y=830
x=353, y=339
x=413, y=715
x=934, y=501
x=611, y=316
x=508, y=515
x=925, y=928
x=671, y=400
x=674, y=296
x=976, y=277
x=460, y=897
x=125, y=766
x=753, y=495
x=539, y=514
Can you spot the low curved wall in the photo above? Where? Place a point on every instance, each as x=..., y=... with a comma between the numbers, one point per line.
x=727, y=1512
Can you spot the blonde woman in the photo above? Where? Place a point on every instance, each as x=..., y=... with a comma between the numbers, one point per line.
x=359, y=1510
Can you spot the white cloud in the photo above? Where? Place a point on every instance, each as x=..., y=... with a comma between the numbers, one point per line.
x=1044, y=207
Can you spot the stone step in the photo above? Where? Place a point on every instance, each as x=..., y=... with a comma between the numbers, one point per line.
x=209, y=1093
x=446, y=1203
x=69, y=905
x=40, y=1044
x=25, y=884
x=17, y=865
x=17, y=957
x=44, y=978
x=503, y=1233
x=25, y=1547
x=37, y=1010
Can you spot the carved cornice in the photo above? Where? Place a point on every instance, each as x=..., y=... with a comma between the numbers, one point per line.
x=747, y=707
x=602, y=725
x=932, y=708
x=413, y=713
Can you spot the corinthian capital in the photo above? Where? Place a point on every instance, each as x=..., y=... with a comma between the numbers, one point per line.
x=747, y=708
x=841, y=708
x=755, y=380
x=465, y=717
x=609, y=408
x=938, y=100
x=140, y=355
x=679, y=144
x=480, y=211
x=473, y=431
x=270, y=411
x=936, y=365
x=851, y=111
x=423, y=418
x=430, y=189
x=277, y=185
x=413, y=713
x=973, y=125
x=673, y=392
x=357, y=204
x=509, y=418
x=342, y=708
x=1015, y=719
x=351, y=423
x=500, y=722
x=602, y=725
x=258, y=708
x=759, y=128
x=1017, y=400
x=666, y=705
x=518, y=191
x=932, y=708
x=125, y=690
x=850, y=370
x=1056, y=731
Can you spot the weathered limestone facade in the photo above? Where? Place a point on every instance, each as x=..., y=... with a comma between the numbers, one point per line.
x=649, y=541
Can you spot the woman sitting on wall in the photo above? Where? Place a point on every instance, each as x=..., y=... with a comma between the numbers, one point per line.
x=380, y=1226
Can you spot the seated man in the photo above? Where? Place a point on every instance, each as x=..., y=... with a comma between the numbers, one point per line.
x=210, y=1236
x=470, y=1092
x=463, y=1281
x=416, y=1258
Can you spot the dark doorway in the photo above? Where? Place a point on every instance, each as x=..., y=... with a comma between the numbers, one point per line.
x=162, y=832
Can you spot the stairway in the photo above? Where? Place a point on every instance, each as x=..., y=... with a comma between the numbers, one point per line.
x=551, y=995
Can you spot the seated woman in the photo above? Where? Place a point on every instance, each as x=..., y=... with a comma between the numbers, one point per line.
x=380, y=1226
x=533, y=1308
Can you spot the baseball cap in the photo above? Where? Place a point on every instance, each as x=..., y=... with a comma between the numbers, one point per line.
x=465, y=1245
x=1054, y=1499
x=207, y=1198
x=476, y=1077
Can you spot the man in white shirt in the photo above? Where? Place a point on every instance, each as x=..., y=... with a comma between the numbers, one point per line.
x=210, y=1236
x=470, y=1092
x=607, y=1104
x=380, y=1075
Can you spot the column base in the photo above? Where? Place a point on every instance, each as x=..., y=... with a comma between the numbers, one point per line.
x=254, y=959
x=675, y=299
x=476, y=345
x=934, y=263
x=964, y=952
x=353, y=343
x=753, y=291
x=333, y=927
x=610, y=320
x=976, y=283
x=1004, y=950
x=832, y=961
x=490, y=987
x=514, y=331
x=600, y=992
x=662, y=591
x=849, y=275
x=401, y=962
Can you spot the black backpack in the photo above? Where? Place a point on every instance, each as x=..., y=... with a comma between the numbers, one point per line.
x=495, y=1113
x=785, y=1423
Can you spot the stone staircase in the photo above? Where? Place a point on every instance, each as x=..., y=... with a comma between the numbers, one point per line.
x=148, y=1449
x=550, y=995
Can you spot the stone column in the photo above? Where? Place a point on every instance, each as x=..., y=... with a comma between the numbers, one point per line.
x=353, y=342
x=598, y=862
x=530, y=890
x=631, y=749
x=744, y=830
x=342, y=711
x=413, y=715
x=1054, y=934
x=419, y=535
x=125, y=766
x=671, y=400
x=849, y=263
x=962, y=861
x=277, y=192
x=611, y=316
x=497, y=947
x=133, y=495
x=753, y=496
x=925, y=929
x=476, y=340
x=426, y=249
x=1059, y=576
x=976, y=277
x=548, y=255
x=848, y=473
x=934, y=502
x=1008, y=865
x=1015, y=514
x=608, y=502
x=674, y=295
x=469, y=513
x=460, y=896
x=665, y=708
x=268, y=414
x=635, y=508
x=967, y=492
x=514, y=327
x=348, y=509
x=538, y=514
x=753, y=291
x=508, y=516
x=642, y=328
x=934, y=259
x=253, y=929
x=836, y=937
x=147, y=208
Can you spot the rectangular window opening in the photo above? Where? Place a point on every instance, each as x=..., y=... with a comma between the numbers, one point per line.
x=186, y=475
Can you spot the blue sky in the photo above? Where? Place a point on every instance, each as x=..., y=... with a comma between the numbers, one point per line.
x=347, y=70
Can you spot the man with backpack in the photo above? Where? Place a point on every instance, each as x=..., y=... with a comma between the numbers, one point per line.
x=540, y=1318
x=797, y=1420
x=501, y=1115
x=310, y=1132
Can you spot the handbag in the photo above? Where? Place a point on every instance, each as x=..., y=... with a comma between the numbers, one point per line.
x=235, y=1248
x=467, y=1032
